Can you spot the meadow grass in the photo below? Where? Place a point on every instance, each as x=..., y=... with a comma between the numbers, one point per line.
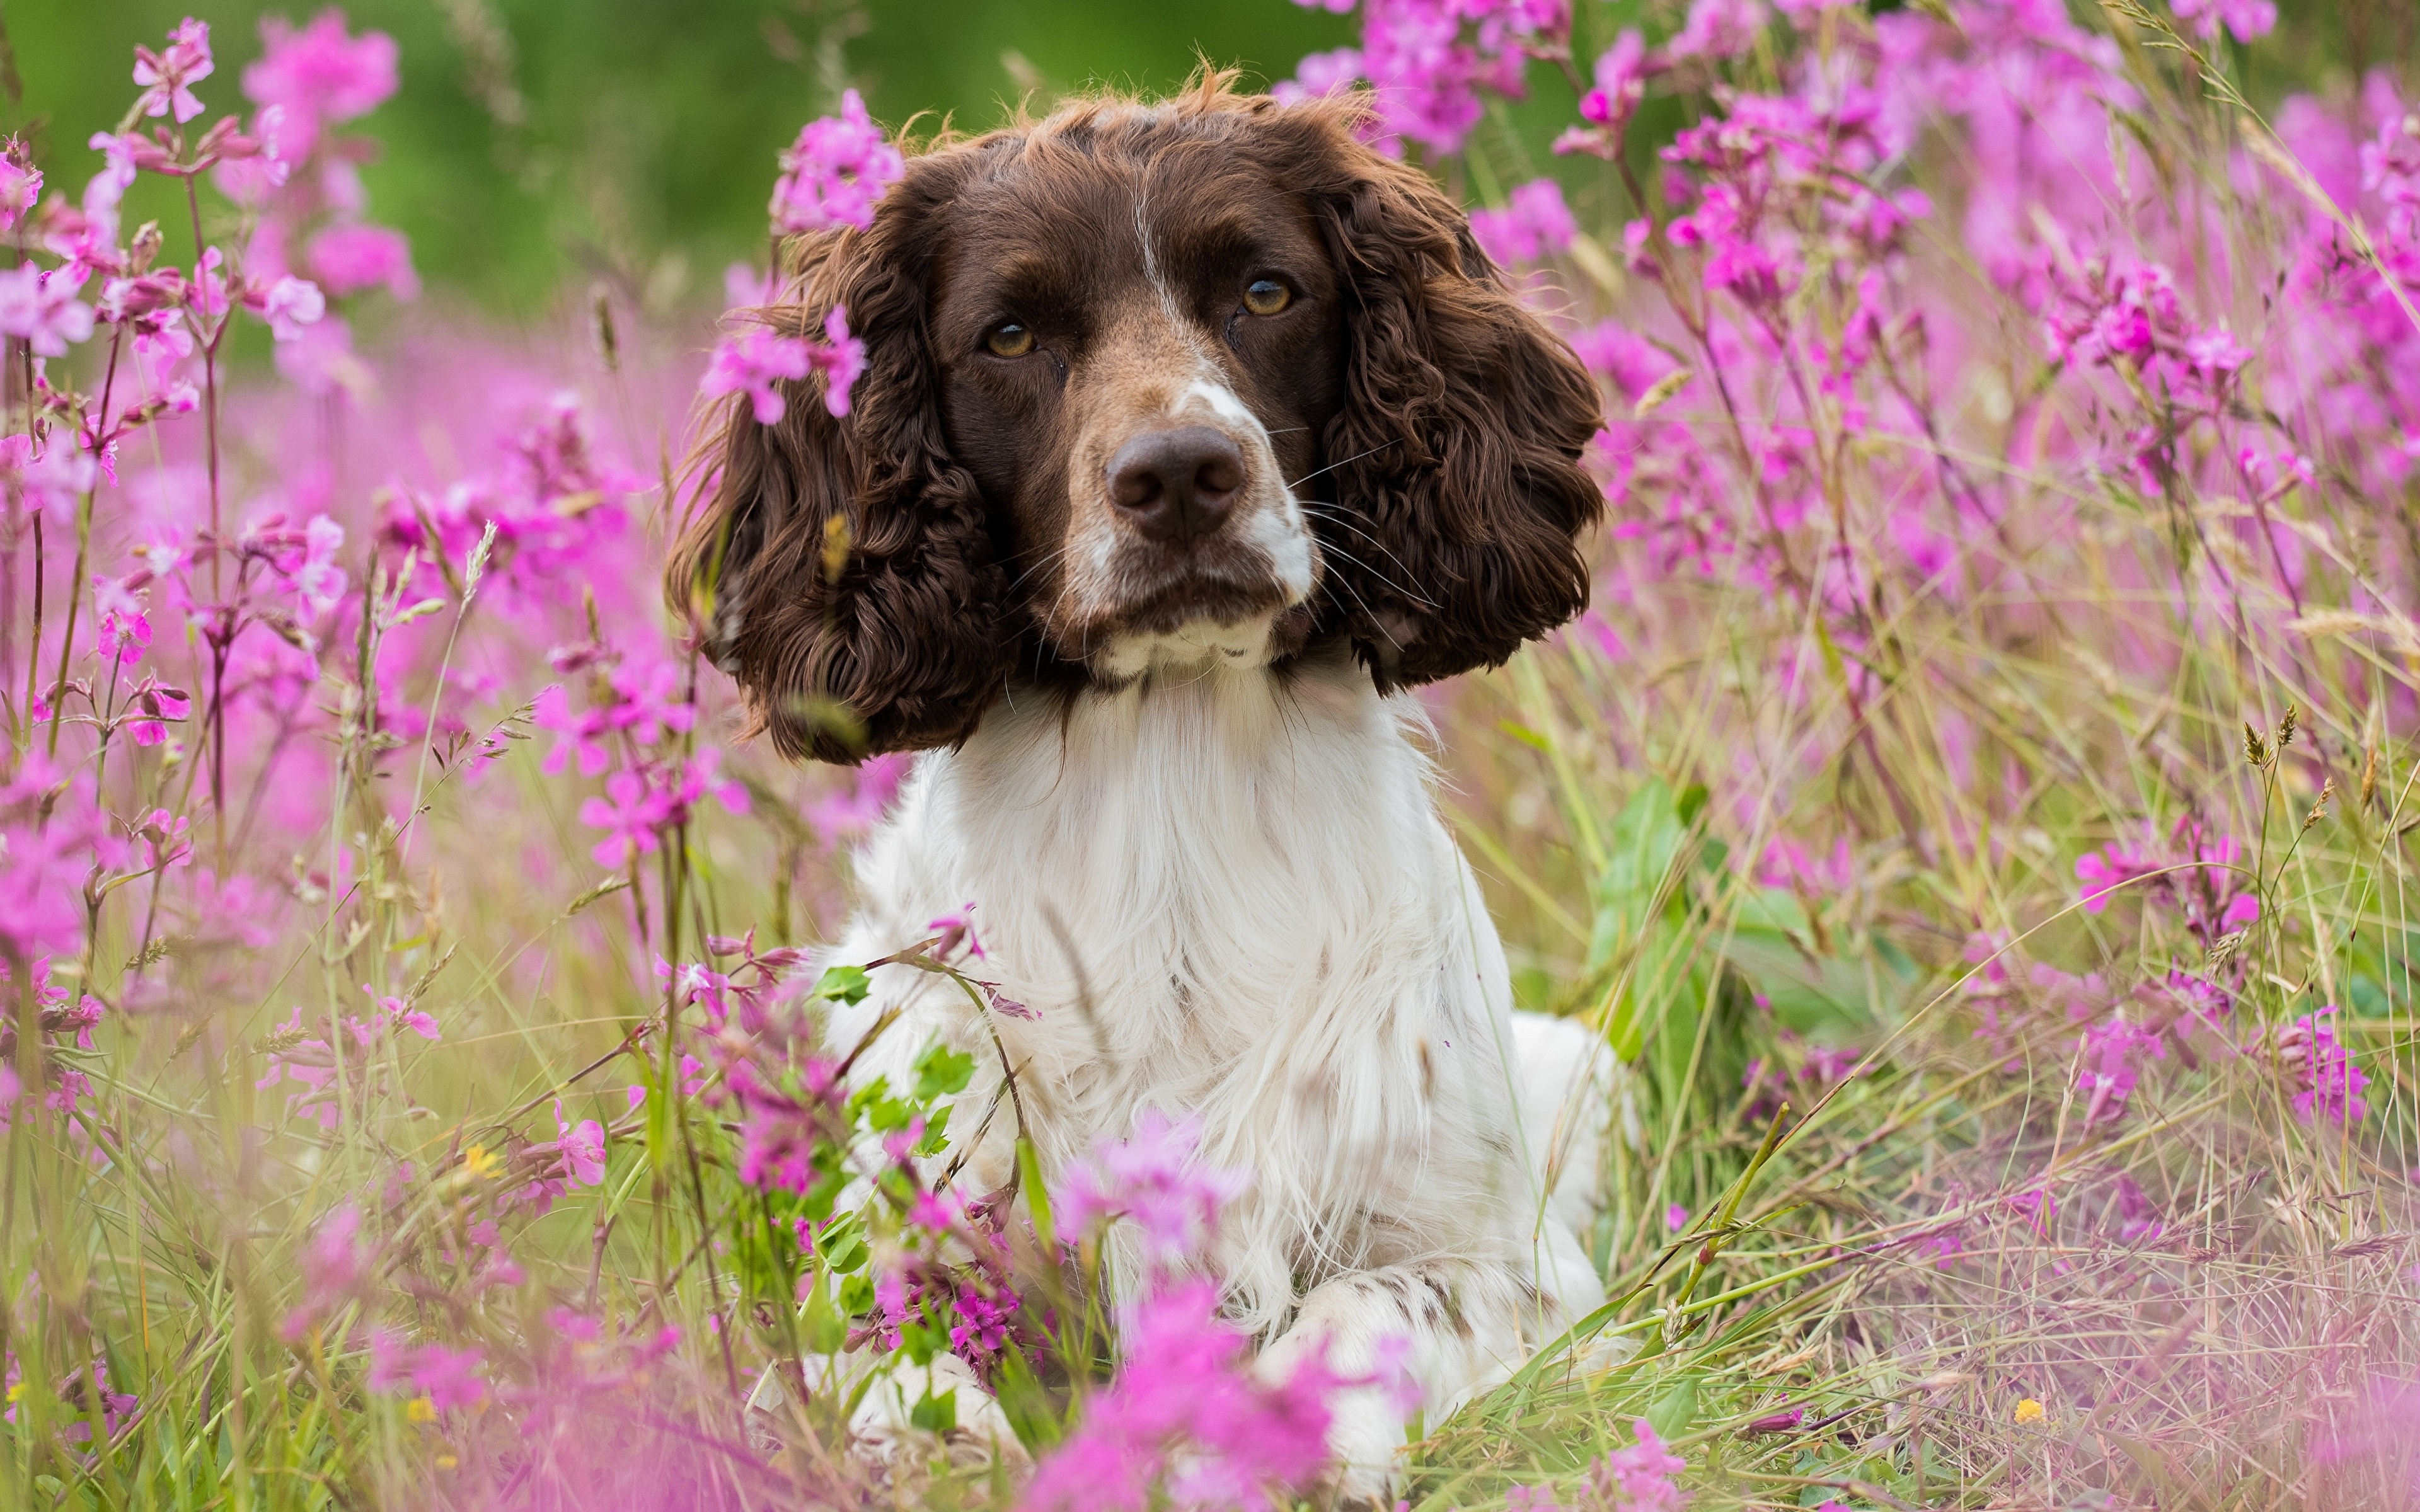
x=1977, y=812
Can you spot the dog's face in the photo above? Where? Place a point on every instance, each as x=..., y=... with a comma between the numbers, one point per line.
x=1137, y=361
x=1201, y=382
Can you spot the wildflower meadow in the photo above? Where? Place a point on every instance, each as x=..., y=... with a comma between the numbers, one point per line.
x=1978, y=809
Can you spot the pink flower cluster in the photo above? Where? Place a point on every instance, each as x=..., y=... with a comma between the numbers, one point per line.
x=834, y=172
x=2200, y=873
x=328, y=1077
x=1534, y=223
x=447, y=1379
x=1637, y=1478
x=1186, y=1421
x=2110, y=1053
x=756, y=362
x=2327, y=1081
x=1155, y=1180
x=1428, y=60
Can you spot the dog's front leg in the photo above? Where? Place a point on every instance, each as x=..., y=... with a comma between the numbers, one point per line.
x=1463, y=1325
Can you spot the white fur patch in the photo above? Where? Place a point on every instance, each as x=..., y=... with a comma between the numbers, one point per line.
x=1196, y=643
x=1231, y=896
x=1223, y=403
x=1280, y=534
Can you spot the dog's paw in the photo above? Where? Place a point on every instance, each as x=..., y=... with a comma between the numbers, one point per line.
x=1365, y=1439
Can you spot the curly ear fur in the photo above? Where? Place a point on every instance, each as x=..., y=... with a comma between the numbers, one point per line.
x=843, y=570
x=1456, y=456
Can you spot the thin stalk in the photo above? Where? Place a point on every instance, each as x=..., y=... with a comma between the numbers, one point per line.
x=83, y=541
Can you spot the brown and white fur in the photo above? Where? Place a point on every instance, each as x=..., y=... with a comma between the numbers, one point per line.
x=1143, y=558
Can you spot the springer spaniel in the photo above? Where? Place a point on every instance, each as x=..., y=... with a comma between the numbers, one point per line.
x=1190, y=436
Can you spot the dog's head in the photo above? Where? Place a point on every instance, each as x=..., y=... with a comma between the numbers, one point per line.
x=1202, y=380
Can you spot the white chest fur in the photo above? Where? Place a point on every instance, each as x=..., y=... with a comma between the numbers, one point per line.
x=1226, y=894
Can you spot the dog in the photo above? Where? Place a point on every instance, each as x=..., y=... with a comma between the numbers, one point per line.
x=1191, y=436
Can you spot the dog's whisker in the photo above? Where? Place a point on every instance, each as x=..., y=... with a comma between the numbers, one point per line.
x=1343, y=462
x=1348, y=524
x=1046, y=560
x=1329, y=585
x=1413, y=593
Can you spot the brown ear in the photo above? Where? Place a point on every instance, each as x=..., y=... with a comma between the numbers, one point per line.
x=842, y=569
x=1455, y=459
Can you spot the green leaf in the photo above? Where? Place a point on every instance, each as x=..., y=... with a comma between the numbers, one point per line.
x=843, y=985
x=942, y=1072
x=1817, y=995
x=937, y=1134
x=935, y=1414
x=1646, y=836
x=1691, y=803
x=841, y=1247
x=1037, y=1197
x=824, y=1329
x=857, y=1294
x=1525, y=734
x=1673, y=1412
x=1771, y=911
x=1026, y=1403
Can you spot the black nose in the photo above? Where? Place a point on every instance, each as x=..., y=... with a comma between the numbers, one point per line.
x=1176, y=485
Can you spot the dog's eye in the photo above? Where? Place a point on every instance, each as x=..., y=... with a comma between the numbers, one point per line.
x=1009, y=340
x=1267, y=297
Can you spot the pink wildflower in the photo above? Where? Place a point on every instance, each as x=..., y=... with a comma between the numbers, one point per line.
x=2110, y=1069
x=1534, y=223
x=319, y=76
x=841, y=359
x=1780, y=1422
x=1320, y=75
x=116, y=1407
x=779, y=1140
x=1153, y=1180
x=755, y=362
x=1639, y=1478
x=320, y=582
x=1718, y=28
x=42, y=308
x=2245, y=19
x=583, y=1147
x=2330, y=1081
x=955, y=936
x=125, y=631
x=347, y=259
x=1188, y=1418
x=395, y=1013
x=152, y=708
x=289, y=305
x=851, y=811
x=629, y=814
x=332, y=1269
x=167, y=77
x=834, y=172
x=21, y=183
x=1620, y=83
x=449, y=1377
x=2104, y=872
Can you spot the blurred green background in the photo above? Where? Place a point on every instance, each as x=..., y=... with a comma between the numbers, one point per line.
x=539, y=141
x=538, y=144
